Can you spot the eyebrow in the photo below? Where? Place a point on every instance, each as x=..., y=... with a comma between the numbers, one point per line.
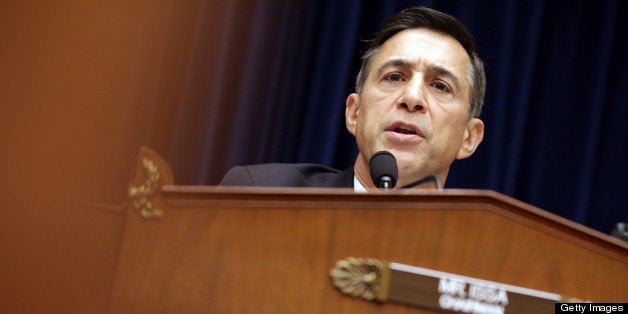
x=393, y=63
x=431, y=67
x=441, y=70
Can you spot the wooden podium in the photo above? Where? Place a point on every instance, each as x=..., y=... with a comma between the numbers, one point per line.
x=201, y=249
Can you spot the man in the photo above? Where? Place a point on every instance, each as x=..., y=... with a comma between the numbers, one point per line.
x=418, y=95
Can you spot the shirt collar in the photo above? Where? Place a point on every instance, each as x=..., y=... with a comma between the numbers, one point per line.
x=357, y=186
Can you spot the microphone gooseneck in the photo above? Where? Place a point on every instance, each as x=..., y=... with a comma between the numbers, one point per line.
x=383, y=167
x=430, y=178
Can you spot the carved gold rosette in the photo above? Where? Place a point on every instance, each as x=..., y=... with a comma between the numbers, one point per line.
x=358, y=277
x=140, y=196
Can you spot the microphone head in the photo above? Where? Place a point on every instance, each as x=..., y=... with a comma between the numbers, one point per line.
x=383, y=167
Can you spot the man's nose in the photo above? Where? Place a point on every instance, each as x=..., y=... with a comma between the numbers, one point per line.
x=413, y=98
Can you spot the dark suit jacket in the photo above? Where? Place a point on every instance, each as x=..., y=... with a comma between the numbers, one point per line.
x=288, y=175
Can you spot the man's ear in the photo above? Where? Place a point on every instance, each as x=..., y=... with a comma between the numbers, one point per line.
x=352, y=106
x=473, y=136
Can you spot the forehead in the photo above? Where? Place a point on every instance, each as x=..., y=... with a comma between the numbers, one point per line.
x=425, y=46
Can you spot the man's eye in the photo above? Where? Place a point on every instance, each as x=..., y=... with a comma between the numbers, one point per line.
x=393, y=77
x=441, y=87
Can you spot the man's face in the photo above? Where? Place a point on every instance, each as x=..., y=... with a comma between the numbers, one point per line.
x=415, y=104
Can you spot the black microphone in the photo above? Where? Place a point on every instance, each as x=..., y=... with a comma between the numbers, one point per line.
x=383, y=167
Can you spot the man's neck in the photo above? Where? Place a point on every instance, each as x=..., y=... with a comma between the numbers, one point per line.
x=362, y=173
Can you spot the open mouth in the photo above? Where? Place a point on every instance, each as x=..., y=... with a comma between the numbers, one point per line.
x=404, y=130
